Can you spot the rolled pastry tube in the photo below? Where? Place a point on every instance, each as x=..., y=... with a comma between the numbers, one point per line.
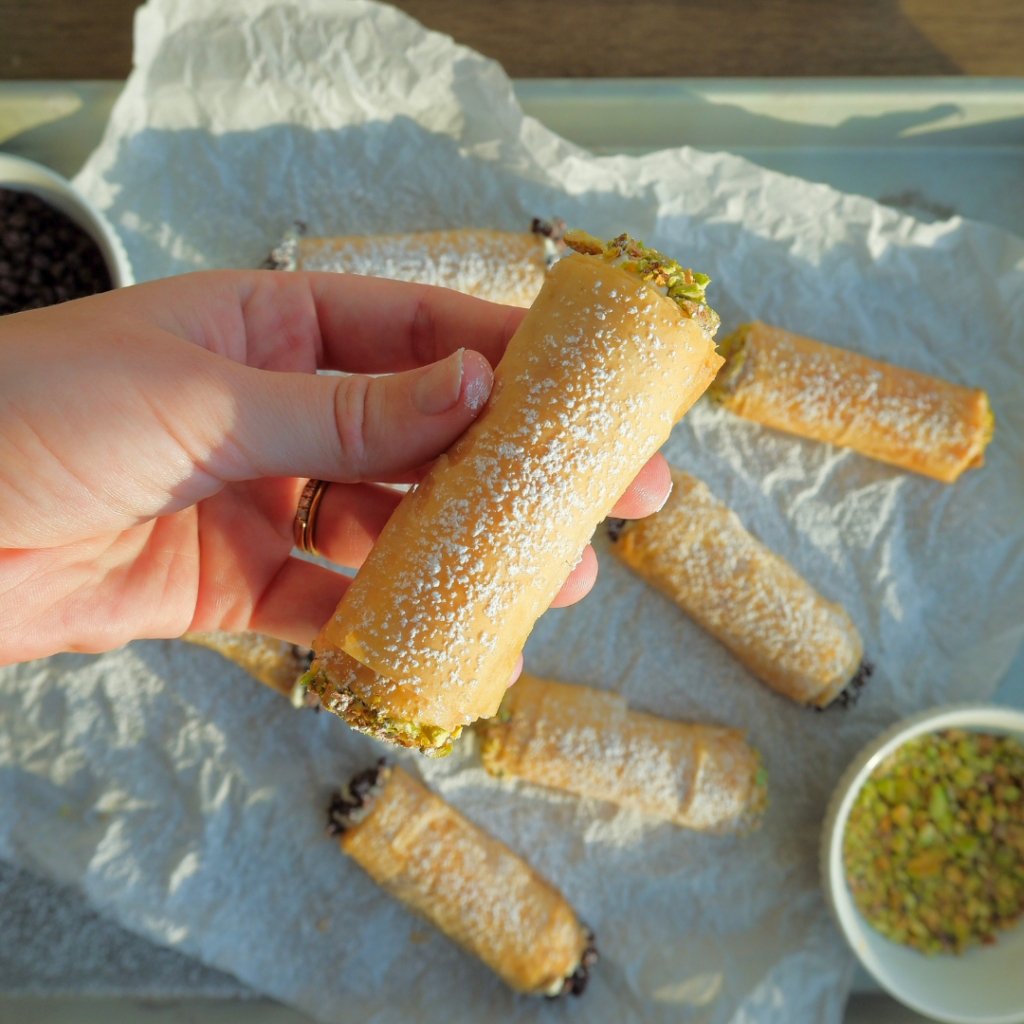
x=602, y=365
x=588, y=742
x=885, y=412
x=273, y=662
x=500, y=266
x=696, y=551
x=469, y=886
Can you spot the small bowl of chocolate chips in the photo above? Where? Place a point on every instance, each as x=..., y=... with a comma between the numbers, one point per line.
x=54, y=245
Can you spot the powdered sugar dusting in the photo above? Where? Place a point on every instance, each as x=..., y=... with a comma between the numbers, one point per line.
x=696, y=551
x=499, y=266
x=469, y=885
x=589, y=742
x=477, y=552
x=885, y=412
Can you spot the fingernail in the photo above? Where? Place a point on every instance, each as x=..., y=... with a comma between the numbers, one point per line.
x=671, y=484
x=517, y=671
x=477, y=383
x=438, y=390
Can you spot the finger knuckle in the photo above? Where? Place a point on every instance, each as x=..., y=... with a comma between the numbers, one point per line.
x=355, y=413
x=423, y=329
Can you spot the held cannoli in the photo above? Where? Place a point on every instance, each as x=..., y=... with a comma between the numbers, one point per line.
x=500, y=266
x=696, y=551
x=615, y=349
x=828, y=394
x=272, y=662
x=469, y=886
x=588, y=742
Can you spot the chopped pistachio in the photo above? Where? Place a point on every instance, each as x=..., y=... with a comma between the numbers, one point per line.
x=732, y=349
x=430, y=740
x=681, y=284
x=934, y=846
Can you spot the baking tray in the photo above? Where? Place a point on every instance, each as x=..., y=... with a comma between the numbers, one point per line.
x=934, y=147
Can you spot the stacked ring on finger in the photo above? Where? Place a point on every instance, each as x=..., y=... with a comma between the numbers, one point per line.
x=305, y=515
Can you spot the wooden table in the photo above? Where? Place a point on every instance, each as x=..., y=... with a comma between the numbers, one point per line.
x=607, y=38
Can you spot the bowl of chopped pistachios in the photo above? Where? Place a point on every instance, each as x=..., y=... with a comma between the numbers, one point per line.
x=922, y=861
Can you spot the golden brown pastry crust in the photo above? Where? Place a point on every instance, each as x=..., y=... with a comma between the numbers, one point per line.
x=885, y=412
x=471, y=887
x=273, y=662
x=500, y=266
x=589, y=742
x=589, y=388
x=697, y=552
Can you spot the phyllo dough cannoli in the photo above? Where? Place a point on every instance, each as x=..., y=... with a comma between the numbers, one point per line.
x=696, y=551
x=616, y=348
x=500, y=266
x=590, y=743
x=273, y=662
x=471, y=887
x=828, y=394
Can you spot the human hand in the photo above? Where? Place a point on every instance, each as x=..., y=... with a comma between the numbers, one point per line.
x=154, y=442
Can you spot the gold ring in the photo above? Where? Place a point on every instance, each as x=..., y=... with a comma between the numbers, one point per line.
x=305, y=515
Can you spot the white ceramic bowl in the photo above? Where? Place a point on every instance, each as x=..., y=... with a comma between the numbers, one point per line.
x=983, y=986
x=27, y=176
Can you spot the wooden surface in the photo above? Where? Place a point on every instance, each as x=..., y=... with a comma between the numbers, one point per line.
x=607, y=38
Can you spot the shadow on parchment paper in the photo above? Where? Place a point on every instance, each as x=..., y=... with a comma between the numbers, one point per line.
x=52, y=941
x=381, y=177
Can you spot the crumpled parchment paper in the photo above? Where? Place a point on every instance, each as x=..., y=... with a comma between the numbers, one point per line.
x=188, y=803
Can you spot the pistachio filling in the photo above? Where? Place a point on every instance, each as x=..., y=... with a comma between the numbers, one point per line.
x=431, y=740
x=733, y=350
x=758, y=802
x=684, y=286
x=489, y=732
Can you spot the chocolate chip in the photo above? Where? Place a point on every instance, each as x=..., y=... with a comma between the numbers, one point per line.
x=850, y=693
x=614, y=528
x=352, y=798
x=45, y=257
x=576, y=983
x=304, y=656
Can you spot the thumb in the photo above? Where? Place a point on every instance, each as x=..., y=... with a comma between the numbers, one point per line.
x=356, y=427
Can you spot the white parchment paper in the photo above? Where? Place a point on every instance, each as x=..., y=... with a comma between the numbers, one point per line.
x=188, y=803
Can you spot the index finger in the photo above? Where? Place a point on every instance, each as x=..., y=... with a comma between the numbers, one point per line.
x=372, y=325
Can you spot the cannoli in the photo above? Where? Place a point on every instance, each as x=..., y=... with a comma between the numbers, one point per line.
x=469, y=886
x=500, y=266
x=696, y=551
x=616, y=348
x=828, y=394
x=272, y=662
x=588, y=742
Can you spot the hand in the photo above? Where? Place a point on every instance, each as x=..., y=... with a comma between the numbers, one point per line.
x=154, y=442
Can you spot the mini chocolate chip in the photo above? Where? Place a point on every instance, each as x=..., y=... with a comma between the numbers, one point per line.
x=304, y=656
x=850, y=693
x=614, y=528
x=44, y=256
x=352, y=798
x=576, y=983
